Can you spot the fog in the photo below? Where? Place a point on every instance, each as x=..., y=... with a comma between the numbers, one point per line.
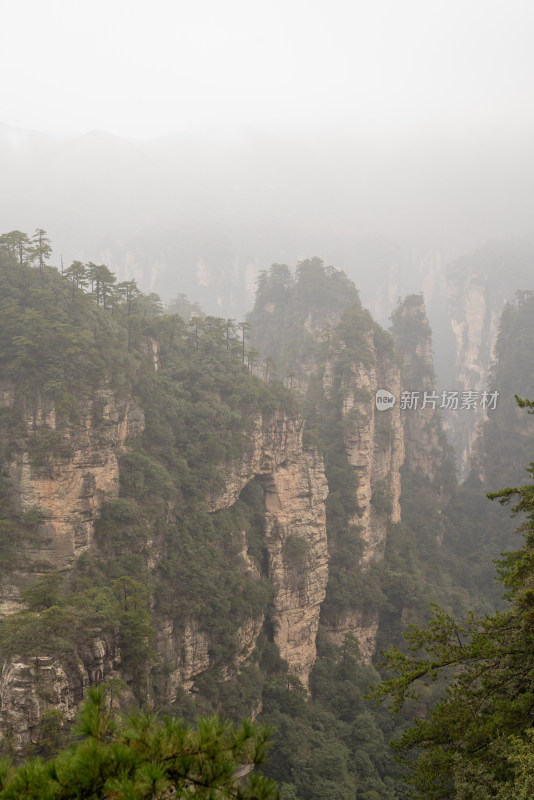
x=189, y=145
x=147, y=69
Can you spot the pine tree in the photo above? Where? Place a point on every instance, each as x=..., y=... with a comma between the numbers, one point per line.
x=141, y=757
x=477, y=734
x=41, y=249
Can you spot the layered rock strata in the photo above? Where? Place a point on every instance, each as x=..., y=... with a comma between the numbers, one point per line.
x=68, y=492
x=29, y=687
x=66, y=480
x=374, y=443
x=68, y=487
x=295, y=490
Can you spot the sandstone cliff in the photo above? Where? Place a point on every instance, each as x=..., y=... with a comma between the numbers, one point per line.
x=295, y=489
x=374, y=443
x=474, y=316
x=332, y=352
x=68, y=490
x=477, y=288
x=63, y=474
x=426, y=451
x=31, y=687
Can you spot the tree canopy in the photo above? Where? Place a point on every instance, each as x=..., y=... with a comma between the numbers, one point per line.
x=477, y=741
x=139, y=756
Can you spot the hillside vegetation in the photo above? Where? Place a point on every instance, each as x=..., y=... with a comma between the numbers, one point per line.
x=161, y=558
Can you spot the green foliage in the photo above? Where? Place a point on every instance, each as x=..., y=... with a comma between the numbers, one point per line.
x=197, y=409
x=44, y=593
x=295, y=550
x=159, y=552
x=48, y=342
x=140, y=756
x=47, y=444
x=380, y=498
x=487, y=663
x=183, y=307
x=292, y=314
x=59, y=622
x=331, y=744
x=303, y=322
x=53, y=736
x=17, y=529
x=410, y=328
x=507, y=436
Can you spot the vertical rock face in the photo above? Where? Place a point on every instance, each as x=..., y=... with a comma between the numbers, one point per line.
x=295, y=490
x=69, y=491
x=475, y=323
x=67, y=480
x=374, y=443
x=297, y=556
x=186, y=649
x=478, y=287
x=29, y=687
x=66, y=483
x=423, y=433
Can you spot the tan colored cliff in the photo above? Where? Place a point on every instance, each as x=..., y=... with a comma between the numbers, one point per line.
x=295, y=490
x=294, y=497
x=475, y=325
x=424, y=441
x=67, y=484
x=68, y=489
x=31, y=686
x=374, y=442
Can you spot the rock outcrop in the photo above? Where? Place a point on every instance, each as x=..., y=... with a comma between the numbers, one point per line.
x=64, y=473
x=68, y=492
x=374, y=443
x=294, y=497
x=29, y=687
x=474, y=316
x=65, y=485
x=295, y=489
x=425, y=446
x=478, y=287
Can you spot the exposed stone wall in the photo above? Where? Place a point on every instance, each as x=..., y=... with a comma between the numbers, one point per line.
x=69, y=490
x=475, y=322
x=424, y=440
x=295, y=489
x=69, y=493
x=294, y=497
x=30, y=686
x=374, y=443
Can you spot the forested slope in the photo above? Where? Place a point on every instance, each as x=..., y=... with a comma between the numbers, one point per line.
x=207, y=516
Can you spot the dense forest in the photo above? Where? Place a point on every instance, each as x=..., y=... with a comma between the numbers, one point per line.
x=167, y=554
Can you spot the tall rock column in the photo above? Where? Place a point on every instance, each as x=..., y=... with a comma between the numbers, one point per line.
x=426, y=451
x=295, y=540
x=374, y=444
x=295, y=488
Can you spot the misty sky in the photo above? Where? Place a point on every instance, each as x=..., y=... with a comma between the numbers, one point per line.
x=383, y=67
